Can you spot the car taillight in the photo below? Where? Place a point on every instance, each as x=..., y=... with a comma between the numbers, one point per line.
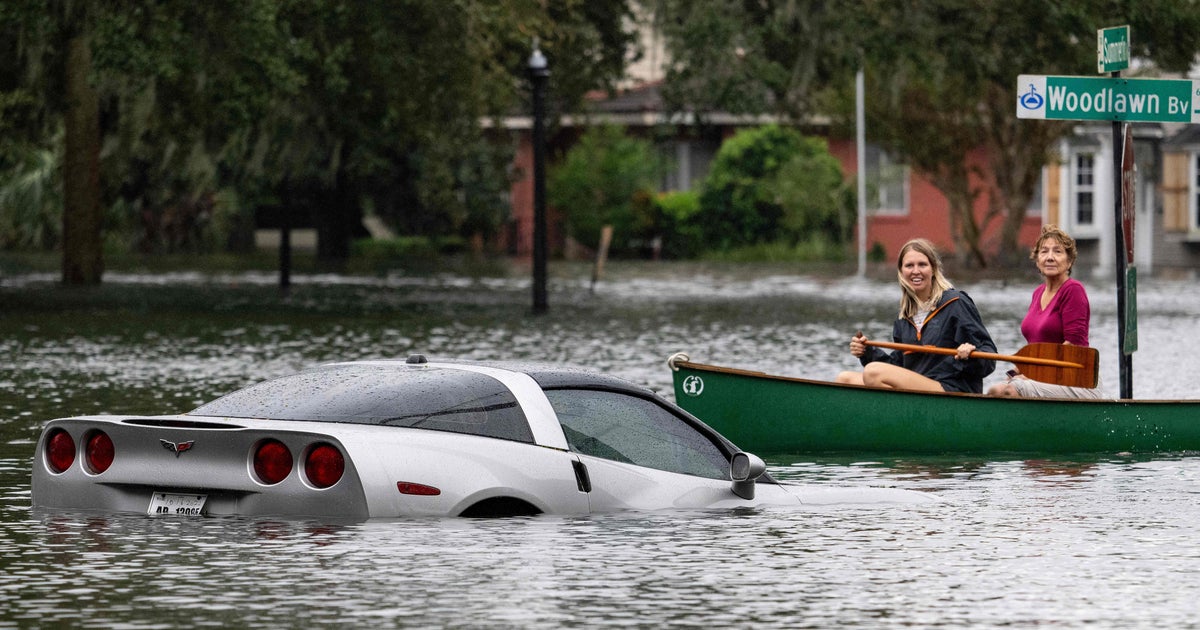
x=272, y=462
x=60, y=450
x=324, y=465
x=99, y=452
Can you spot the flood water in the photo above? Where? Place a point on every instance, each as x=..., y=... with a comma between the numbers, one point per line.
x=1016, y=541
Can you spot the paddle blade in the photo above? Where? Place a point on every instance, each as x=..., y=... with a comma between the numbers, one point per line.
x=1086, y=376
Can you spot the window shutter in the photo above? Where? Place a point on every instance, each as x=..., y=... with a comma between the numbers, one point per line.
x=1175, y=191
x=1053, y=198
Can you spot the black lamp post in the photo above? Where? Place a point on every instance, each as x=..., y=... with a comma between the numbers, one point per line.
x=538, y=75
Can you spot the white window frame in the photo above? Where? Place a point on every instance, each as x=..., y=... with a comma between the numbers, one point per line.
x=690, y=161
x=1194, y=191
x=881, y=167
x=1077, y=189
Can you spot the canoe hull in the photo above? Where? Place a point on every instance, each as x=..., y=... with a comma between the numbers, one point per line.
x=763, y=413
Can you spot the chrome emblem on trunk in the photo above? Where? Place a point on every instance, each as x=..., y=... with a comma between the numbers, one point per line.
x=177, y=447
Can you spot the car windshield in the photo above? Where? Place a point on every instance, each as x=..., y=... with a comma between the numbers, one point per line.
x=419, y=397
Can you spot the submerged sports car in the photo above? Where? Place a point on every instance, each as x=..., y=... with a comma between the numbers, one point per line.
x=374, y=439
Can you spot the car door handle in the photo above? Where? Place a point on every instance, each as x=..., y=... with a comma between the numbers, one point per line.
x=581, y=476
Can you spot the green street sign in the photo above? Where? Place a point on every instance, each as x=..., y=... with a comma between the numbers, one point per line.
x=1099, y=98
x=1131, y=341
x=1112, y=49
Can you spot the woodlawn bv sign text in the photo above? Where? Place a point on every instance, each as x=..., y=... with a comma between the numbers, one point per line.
x=1098, y=98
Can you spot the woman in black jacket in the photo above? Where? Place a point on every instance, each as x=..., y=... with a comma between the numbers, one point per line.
x=932, y=313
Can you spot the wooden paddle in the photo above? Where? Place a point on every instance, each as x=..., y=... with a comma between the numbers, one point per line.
x=1061, y=364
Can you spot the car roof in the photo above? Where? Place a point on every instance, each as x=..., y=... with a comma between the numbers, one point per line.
x=550, y=376
x=545, y=374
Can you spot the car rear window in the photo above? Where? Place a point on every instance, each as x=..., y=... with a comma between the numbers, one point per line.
x=418, y=397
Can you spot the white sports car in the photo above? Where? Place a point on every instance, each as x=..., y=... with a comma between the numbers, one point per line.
x=377, y=439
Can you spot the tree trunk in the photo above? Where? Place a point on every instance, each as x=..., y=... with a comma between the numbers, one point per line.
x=954, y=182
x=1017, y=153
x=83, y=258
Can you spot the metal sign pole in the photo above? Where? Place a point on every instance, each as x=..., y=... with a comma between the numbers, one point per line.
x=1124, y=360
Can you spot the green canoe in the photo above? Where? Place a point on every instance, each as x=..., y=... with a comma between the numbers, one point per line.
x=762, y=413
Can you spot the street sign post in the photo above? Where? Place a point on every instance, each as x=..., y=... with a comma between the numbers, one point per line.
x=1103, y=98
x=1112, y=49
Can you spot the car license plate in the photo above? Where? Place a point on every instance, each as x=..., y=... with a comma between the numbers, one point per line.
x=180, y=504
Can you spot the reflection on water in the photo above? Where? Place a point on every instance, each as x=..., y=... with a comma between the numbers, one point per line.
x=1068, y=542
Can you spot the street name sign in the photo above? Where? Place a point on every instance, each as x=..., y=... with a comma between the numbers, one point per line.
x=1103, y=98
x=1112, y=49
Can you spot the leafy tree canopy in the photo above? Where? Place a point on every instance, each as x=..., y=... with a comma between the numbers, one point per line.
x=322, y=107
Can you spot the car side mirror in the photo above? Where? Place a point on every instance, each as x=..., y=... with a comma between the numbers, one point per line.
x=744, y=471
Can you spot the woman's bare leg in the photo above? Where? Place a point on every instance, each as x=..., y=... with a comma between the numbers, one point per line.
x=850, y=378
x=880, y=374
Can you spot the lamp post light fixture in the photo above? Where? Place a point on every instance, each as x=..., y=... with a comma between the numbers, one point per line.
x=539, y=74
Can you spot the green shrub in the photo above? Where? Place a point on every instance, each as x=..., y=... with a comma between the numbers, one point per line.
x=31, y=202
x=601, y=181
x=772, y=184
x=682, y=237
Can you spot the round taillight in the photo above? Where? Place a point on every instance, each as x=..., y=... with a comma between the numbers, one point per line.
x=60, y=450
x=324, y=465
x=272, y=462
x=99, y=452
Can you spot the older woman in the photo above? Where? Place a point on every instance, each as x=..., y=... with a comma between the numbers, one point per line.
x=1058, y=313
x=932, y=312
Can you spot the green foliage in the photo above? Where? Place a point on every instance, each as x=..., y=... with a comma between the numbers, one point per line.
x=354, y=104
x=811, y=188
x=682, y=236
x=755, y=57
x=404, y=251
x=877, y=253
x=607, y=178
x=737, y=205
x=31, y=202
x=771, y=184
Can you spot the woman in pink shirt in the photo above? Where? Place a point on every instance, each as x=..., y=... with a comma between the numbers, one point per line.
x=1058, y=313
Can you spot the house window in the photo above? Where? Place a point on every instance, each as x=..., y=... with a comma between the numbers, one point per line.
x=887, y=183
x=690, y=161
x=1085, y=190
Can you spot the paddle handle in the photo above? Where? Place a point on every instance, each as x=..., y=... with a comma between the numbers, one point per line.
x=975, y=355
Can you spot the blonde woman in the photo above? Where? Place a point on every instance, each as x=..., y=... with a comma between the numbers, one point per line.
x=932, y=313
x=1058, y=313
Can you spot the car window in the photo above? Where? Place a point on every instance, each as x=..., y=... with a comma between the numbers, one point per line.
x=424, y=398
x=637, y=431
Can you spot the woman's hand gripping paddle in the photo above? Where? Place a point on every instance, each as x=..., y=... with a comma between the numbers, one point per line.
x=1058, y=363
